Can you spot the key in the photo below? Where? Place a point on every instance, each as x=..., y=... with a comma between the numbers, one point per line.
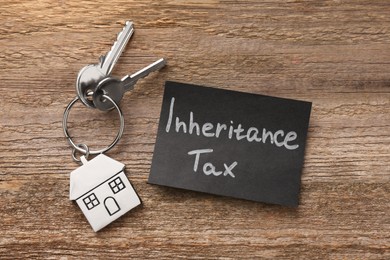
x=116, y=88
x=92, y=74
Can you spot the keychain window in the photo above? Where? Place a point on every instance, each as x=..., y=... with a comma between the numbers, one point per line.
x=91, y=201
x=116, y=185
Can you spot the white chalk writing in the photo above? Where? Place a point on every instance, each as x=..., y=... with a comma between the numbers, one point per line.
x=278, y=138
x=208, y=167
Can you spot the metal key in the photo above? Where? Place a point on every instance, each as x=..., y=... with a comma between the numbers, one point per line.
x=91, y=75
x=116, y=88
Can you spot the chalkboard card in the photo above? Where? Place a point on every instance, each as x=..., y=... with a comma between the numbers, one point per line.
x=231, y=143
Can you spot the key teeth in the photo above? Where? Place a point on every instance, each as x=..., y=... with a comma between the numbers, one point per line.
x=101, y=60
x=117, y=37
x=124, y=27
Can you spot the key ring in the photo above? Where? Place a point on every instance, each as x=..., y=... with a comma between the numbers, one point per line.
x=83, y=148
x=86, y=154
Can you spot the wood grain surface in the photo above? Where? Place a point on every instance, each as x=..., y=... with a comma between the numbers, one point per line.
x=335, y=54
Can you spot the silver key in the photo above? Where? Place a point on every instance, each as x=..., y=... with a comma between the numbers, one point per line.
x=91, y=75
x=116, y=88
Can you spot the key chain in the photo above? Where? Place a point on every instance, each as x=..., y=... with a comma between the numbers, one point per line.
x=100, y=186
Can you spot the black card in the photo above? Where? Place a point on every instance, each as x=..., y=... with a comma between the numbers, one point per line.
x=231, y=143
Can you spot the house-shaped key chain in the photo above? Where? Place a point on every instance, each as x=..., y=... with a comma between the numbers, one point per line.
x=102, y=190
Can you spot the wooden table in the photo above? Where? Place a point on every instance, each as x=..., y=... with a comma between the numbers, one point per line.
x=333, y=53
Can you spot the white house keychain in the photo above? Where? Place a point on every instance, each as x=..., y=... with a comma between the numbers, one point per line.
x=100, y=186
